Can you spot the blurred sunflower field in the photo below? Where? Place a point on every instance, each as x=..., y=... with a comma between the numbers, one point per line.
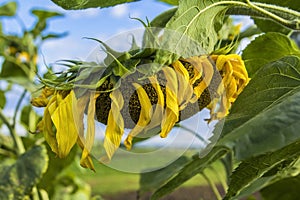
x=188, y=60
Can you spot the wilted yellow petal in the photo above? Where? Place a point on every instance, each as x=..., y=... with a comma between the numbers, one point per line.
x=145, y=114
x=87, y=162
x=39, y=101
x=208, y=72
x=224, y=107
x=79, y=109
x=63, y=120
x=234, y=79
x=49, y=134
x=157, y=116
x=47, y=92
x=42, y=100
x=196, y=62
x=231, y=90
x=90, y=136
x=171, y=114
x=115, y=124
x=185, y=89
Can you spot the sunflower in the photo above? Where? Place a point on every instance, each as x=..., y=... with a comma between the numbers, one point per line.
x=137, y=102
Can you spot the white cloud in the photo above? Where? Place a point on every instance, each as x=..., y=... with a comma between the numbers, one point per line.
x=119, y=11
x=136, y=14
x=88, y=13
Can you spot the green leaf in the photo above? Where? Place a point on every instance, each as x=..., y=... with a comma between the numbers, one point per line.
x=29, y=118
x=8, y=9
x=266, y=26
x=252, y=169
x=7, y=149
x=12, y=69
x=43, y=16
x=154, y=179
x=2, y=99
x=161, y=20
x=171, y=2
x=276, y=173
x=287, y=189
x=191, y=169
x=266, y=115
x=272, y=46
x=84, y=4
x=18, y=180
x=56, y=167
x=194, y=30
x=54, y=35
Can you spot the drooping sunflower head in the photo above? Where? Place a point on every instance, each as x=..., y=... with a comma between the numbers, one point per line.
x=176, y=92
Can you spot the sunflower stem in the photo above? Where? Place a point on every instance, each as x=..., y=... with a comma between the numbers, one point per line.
x=17, y=108
x=212, y=185
x=219, y=177
x=16, y=138
x=288, y=23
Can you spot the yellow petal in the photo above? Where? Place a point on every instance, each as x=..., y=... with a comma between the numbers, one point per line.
x=145, y=114
x=231, y=89
x=79, y=108
x=90, y=136
x=87, y=162
x=208, y=72
x=48, y=131
x=47, y=92
x=39, y=102
x=157, y=116
x=185, y=89
x=171, y=114
x=115, y=124
x=195, y=61
x=63, y=120
x=42, y=99
x=224, y=107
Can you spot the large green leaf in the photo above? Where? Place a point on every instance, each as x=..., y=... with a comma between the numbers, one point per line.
x=83, y=4
x=270, y=26
x=287, y=189
x=18, y=180
x=267, y=48
x=154, y=179
x=266, y=116
x=193, y=30
x=196, y=166
x=254, y=168
x=8, y=9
